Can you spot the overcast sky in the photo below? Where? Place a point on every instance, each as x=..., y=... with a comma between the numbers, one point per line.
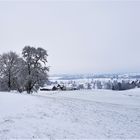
x=81, y=37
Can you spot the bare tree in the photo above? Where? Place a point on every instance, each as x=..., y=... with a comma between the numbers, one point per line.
x=35, y=69
x=9, y=68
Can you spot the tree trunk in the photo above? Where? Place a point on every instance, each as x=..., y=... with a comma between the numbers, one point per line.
x=9, y=81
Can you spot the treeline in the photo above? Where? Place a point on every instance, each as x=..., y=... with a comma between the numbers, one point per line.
x=96, y=84
x=122, y=85
x=23, y=73
x=115, y=84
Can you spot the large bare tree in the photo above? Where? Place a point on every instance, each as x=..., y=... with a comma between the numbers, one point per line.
x=35, y=69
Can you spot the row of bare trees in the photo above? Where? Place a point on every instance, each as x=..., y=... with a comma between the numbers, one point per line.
x=26, y=73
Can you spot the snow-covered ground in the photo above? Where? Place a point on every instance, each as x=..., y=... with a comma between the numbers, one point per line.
x=84, y=114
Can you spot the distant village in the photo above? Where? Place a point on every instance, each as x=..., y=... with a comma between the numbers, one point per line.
x=112, y=84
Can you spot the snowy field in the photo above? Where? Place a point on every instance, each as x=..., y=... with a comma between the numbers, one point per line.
x=93, y=114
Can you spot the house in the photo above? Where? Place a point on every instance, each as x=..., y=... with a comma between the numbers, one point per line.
x=47, y=88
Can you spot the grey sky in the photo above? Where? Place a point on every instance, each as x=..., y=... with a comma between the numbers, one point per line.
x=81, y=37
